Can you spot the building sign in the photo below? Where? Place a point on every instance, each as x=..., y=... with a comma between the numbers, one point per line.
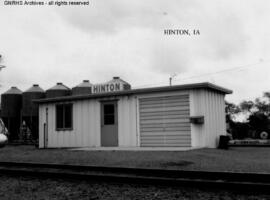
x=115, y=85
x=109, y=87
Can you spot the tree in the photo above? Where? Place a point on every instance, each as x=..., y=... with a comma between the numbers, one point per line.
x=260, y=105
x=246, y=106
x=258, y=117
x=231, y=110
x=258, y=121
x=263, y=104
x=267, y=95
x=1, y=66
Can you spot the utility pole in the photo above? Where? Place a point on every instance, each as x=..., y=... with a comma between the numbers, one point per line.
x=171, y=77
x=170, y=81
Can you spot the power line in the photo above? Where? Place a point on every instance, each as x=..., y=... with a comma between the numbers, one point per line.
x=240, y=68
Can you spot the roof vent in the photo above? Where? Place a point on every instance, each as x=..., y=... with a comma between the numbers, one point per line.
x=86, y=81
x=116, y=77
x=59, y=83
x=35, y=85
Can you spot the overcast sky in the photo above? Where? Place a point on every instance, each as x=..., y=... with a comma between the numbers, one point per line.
x=49, y=44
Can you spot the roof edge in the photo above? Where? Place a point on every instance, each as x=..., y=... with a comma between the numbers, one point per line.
x=205, y=85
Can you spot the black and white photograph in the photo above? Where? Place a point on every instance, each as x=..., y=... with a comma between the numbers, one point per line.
x=134, y=100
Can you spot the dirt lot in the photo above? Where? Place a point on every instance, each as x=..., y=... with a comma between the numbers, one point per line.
x=45, y=189
x=237, y=159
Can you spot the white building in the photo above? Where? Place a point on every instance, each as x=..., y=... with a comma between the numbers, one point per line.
x=191, y=115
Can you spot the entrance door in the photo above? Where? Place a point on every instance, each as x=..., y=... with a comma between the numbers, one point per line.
x=109, y=124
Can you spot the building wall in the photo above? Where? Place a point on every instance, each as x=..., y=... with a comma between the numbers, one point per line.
x=86, y=124
x=86, y=120
x=211, y=105
x=127, y=116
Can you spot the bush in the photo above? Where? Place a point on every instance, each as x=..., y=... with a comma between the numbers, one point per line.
x=258, y=121
x=239, y=130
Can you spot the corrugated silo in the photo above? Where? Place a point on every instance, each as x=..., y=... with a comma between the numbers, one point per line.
x=11, y=103
x=114, y=85
x=57, y=91
x=117, y=80
x=30, y=109
x=83, y=88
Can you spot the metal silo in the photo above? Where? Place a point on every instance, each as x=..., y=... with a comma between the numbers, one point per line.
x=57, y=91
x=30, y=110
x=117, y=80
x=83, y=88
x=11, y=103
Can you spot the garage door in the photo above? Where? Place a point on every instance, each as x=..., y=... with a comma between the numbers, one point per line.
x=164, y=121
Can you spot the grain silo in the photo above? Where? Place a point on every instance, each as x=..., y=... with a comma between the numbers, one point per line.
x=123, y=84
x=114, y=85
x=83, y=88
x=57, y=91
x=30, y=109
x=11, y=104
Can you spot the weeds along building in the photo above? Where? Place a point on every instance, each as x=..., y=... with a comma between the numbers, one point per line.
x=114, y=115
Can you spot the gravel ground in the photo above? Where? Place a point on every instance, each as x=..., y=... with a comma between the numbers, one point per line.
x=236, y=159
x=48, y=189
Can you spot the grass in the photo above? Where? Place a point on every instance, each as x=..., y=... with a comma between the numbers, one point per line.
x=236, y=159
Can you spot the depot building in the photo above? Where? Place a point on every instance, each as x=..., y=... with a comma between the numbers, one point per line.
x=114, y=115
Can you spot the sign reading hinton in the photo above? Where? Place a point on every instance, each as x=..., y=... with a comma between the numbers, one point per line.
x=115, y=85
x=109, y=87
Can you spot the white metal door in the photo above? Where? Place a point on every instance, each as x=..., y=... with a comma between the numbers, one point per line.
x=164, y=121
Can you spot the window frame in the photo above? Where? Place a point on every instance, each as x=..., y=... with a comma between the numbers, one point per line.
x=116, y=111
x=63, y=119
x=112, y=114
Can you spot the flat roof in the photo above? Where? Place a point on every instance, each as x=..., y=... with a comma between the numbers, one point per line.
x=204, y=85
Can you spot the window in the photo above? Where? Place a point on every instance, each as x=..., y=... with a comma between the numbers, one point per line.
x=64, y=117
x=108, y=114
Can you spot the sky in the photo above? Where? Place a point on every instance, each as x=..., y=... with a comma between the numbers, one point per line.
x=48, y=44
